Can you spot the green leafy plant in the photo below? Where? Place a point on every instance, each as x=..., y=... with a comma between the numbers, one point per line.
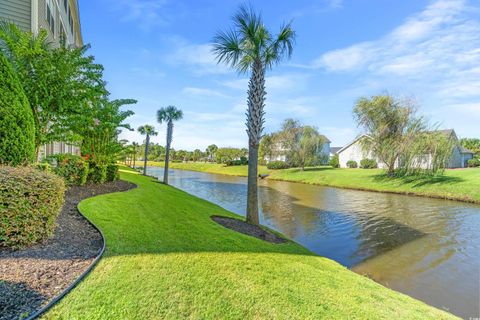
x=112, y=172
x=368, y=164
x=30, y=201
x=352, y=164
x=17, y=127
x=276, y=165
x=74, y=169
x=97, y=173
x=473, y=163
x=334, y=161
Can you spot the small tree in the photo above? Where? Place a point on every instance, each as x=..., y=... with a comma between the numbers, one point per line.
x=17, y=128
x=309, y=147
x=168, y=115
x=147, y=131
x=211, y=149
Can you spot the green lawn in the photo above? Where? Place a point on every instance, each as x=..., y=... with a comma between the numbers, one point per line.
x=166, y=259
x=210, y=168
x=457, y=184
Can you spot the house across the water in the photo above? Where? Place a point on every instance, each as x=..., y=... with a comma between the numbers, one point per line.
x=280, y=153
x=354, y=151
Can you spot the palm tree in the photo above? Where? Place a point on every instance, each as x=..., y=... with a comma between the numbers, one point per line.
x=211, y=149
x=148, y=131
x=168, y=115
x=134, y=146
x=250, y=47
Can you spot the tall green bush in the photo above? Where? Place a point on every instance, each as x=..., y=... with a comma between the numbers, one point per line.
x=30, y=201
x=368, y=164
x=17, y=127
x=74, y=169
x=334, y=161
x=352, y=164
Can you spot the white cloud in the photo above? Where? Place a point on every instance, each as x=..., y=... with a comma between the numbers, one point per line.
x=145, y=13
x=199, y=58
x=203, y=92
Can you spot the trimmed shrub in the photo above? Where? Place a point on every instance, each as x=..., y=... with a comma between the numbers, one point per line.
x=43, y=166
x=30, y=201
x=74, y=169
x=17, y=126
x=352, y=164
x=97, y=173
x=473, y=163
x=242, y=162
x=276, y=165
x=368, y=164
x=334, y=161
x=112, y=172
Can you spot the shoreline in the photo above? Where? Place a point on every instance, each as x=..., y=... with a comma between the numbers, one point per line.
x=426, y=194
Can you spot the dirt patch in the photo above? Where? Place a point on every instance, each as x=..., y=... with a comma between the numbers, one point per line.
x=248, y=229
x=30, y=277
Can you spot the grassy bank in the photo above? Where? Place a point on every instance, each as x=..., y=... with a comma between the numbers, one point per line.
x=210, y=168
x=461, y=185
x=166, y=259
x=458, y=184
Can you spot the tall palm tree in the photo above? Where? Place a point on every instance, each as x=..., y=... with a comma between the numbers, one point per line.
x=148, y=131
x=168, y=115
x=250, y=47
x=134, y=146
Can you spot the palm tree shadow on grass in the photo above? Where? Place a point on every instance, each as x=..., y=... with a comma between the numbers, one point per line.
x=420, y=180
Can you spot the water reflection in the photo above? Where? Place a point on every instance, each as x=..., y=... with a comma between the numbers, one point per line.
x=427, y=248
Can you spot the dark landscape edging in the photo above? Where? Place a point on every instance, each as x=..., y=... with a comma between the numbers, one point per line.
x=62, y=294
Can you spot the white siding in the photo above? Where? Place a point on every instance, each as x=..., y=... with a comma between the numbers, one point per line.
x=17, y=11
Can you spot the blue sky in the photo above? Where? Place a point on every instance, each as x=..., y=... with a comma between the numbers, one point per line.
x=158, y=52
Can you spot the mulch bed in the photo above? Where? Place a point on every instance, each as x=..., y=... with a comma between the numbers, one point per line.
x=248, y=229
x=30, y=277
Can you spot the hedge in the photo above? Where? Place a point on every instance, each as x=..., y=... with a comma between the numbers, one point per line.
x=275, y=165
x=334, y=161
x=352, y=164
x=473, y=163
x=368, y=164
x=17, y=126
x=30, y=201
x=73, y=168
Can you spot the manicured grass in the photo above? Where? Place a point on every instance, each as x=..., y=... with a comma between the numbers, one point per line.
x=456, y=184
x=166, y=259
x=210, y=168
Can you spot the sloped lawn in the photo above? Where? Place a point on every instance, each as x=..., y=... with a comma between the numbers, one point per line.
x=166, y=259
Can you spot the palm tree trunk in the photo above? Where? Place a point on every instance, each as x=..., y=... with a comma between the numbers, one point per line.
x=255, y=121
x=167, y=154
x=252, y=188
x=145, y=159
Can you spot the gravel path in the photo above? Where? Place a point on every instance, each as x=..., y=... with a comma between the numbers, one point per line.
x=29, y=278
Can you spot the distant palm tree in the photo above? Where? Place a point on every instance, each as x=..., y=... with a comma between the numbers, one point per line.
x=168, y=115
x=134, y=146
x=250, y=47
x=211, y=149
x=148, y=131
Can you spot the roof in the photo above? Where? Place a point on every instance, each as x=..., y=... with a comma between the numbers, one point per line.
x=334, y=150
x=465, y=150
x=354, y=141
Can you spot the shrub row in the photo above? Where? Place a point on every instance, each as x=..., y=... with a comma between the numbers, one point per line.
x=276, y=165
x=30, y=201
x=77, y=171
x=243, y=161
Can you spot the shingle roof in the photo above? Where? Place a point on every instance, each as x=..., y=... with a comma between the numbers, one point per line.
x=334, y=150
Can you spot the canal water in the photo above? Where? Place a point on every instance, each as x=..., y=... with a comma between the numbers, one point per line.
x=426, y=248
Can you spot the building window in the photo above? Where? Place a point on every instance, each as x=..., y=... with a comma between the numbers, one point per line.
x=51, y=16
